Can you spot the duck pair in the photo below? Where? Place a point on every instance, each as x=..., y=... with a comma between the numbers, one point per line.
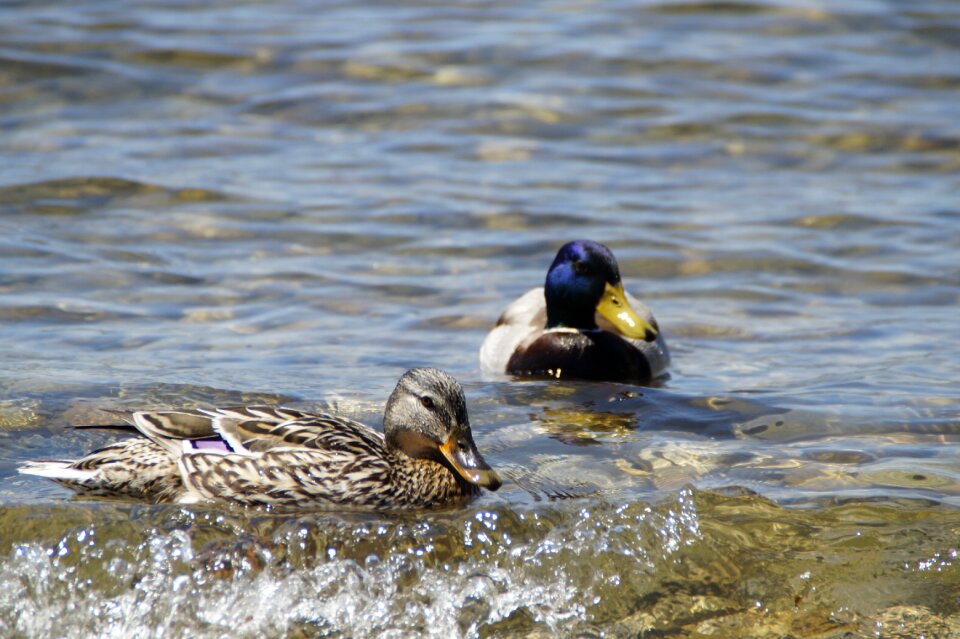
x=581, y=324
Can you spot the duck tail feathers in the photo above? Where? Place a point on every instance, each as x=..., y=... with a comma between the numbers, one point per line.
x=55, y=469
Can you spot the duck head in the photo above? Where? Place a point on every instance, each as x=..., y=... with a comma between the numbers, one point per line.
x=584, y=280
x=426, y=418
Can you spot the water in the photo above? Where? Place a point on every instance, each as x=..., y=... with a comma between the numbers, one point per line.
x=220, y=202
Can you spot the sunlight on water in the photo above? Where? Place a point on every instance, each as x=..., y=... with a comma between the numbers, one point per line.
x=169, y=571
x=487, y=568
x=222, y=204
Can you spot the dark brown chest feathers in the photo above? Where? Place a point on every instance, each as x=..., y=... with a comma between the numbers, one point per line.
x=596, y=355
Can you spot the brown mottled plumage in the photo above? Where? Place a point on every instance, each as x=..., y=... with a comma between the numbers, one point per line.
x=261, y=455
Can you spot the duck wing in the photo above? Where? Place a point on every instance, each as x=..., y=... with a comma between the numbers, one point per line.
x=312, y=460
x=320, y=432
x=171, y=428
x=522, y=320
x=529, y=310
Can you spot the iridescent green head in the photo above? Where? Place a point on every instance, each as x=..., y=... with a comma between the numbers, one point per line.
x=584, y=280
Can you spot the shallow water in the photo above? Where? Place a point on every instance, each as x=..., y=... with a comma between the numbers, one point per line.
x=221, y=202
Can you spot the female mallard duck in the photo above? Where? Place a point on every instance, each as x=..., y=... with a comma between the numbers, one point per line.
x=580, y=324
x=263, y=455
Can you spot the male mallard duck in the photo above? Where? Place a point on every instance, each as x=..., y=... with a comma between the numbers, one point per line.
x=263, y=455
x=580, y=324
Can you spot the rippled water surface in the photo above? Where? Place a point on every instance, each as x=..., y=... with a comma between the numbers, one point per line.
x=294, y=202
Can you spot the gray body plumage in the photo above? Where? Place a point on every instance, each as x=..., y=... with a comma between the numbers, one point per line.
x=524, y=321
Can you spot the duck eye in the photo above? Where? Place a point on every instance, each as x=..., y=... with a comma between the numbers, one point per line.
x=427, y=402
x=580, y=267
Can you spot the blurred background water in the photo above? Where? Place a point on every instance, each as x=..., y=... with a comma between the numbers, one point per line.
x=296, y=201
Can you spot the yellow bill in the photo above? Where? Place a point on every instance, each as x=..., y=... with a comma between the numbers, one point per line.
x=614, y=308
